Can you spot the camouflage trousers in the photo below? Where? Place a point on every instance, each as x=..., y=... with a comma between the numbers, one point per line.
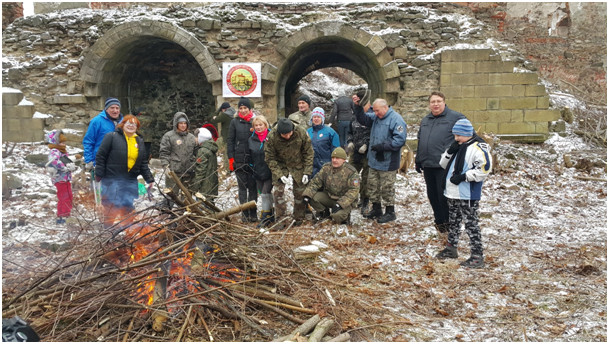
x=322, y=201
x=361, y=165
x=280, y=202
x=381, y=186
x=457, y=210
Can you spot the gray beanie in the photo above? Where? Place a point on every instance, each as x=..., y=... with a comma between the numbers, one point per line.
x=285, y=126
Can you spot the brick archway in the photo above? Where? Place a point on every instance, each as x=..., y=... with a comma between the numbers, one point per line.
x=103, y=66
x=332, y=44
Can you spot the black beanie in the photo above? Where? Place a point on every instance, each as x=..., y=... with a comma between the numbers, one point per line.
x=284, y=126
x=224, y=105
x=306, y=98
x=244, y=101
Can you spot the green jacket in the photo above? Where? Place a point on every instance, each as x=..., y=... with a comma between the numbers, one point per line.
x=206, y=170
x=341, y=184
x=293, y=156
x=301, y=119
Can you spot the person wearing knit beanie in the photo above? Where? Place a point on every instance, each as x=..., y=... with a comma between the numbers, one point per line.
x=205, y=180
x=319, y=112
x=339, y=153
x=303, y=115
x=112, y=101
x=323, y=138
x=105, y=122
x=285, y=126
x=463, y=127
x=244, y=102
x=305, y=98
x=204, y=135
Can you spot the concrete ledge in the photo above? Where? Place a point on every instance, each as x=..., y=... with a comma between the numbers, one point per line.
x=11, y=97
x=524, y=138
x=69, y=99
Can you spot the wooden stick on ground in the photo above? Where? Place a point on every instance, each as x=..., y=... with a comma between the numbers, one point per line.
x=302, y=329
x=321, y=329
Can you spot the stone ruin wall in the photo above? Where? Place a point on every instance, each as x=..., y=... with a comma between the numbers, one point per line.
x=44, y=54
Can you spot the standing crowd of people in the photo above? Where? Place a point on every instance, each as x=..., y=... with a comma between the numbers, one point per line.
x=331, y=173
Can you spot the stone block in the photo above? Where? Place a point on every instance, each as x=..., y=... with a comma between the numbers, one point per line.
x=518, y=90
x=489, y=128
x=535, y=91
x=268, y=88
x=493, y=91
x=513, y=78
x=362, y=37
x=524, y=138
x=451, y=67
x=492, y=116
x=542, y=128
x=543, y=102
x=12, y=124
x=468, y=91
x=445, y=79
x=468, y=67
x=420, y=92
x=400, y=53
x=517, y=116
x=469, y=79
x=495, y=66
x=269, y=72
x=469, y=104
x=492, y=103
x=348, y=32
x=69, y=99
x=392, y=85
x=518, y=103
x=18, y=112
x=452, y=92
x=11, y=96
x=216, y=88
x=516, y=128
x=376, y=44
x=391, y=70
x=466, y=55
x=35, y=123
x=541, y=115
x=310, y=33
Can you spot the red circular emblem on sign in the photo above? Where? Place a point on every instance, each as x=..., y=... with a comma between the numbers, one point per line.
x=241, y=80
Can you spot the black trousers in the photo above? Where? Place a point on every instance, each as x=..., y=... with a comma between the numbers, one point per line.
x=434, y=179
x=247, y=187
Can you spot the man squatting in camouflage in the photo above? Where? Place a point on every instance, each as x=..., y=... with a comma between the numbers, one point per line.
x=289, y=151
x=336, y=187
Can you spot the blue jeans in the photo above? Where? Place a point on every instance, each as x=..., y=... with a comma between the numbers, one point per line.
x=344, y=129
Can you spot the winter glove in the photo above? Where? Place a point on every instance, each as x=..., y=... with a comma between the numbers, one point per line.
x=98, y=179
x=350, y=147
x=378, y=148
x=284, y=179
x=363, y=149
x=306, y=200
x=89, y=166
x=336, y=208
x=231, y=164
x=457, y=178
x=418, y=167
x=305, y=179
x=453, y=148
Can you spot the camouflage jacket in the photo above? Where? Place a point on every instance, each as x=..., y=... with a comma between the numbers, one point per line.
x=206, y=170
x=301, y=119
x=293, y=156
x=341, y=184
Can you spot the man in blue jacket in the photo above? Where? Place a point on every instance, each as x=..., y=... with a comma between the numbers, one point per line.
x=105, y=122
x=435, y=135
x=387, y=137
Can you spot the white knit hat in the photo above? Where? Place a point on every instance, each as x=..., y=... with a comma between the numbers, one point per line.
x=204, y=135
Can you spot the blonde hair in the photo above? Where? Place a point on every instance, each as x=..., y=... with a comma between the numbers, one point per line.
x=260, y=118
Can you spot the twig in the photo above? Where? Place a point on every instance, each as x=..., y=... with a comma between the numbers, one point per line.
x=179, y=337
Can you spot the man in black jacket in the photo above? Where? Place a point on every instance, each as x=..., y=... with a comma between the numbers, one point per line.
x=435, y=135
x=342, y=115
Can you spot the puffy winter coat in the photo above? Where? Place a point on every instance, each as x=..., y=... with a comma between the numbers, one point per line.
x=225, y=118
x=341, y=184
x=259, y=165
x=59, y=161
x=435, y=135
x=476, y=166
x=324, y=140
x=178, y=149
x=111, y=159
x=293, y=156
x=342, y=110
x=99, y=126
x=206, y=169
x=237, y=147
x=390, y=131
x=301, y=118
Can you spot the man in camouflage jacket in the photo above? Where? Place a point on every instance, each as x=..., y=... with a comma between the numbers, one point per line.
x=289, y=151
x=335, y=187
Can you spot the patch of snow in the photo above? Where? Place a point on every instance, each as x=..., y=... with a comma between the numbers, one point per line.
x=25, y=102
x=41, y=115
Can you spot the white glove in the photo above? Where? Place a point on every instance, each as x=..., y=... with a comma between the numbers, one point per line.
x=89, y=165
x=305, y=179
x=349, y=148
x=285, y=179
x=71, y=166
x=362, y=149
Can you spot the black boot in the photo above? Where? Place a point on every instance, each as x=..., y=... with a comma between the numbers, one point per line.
x=375, y=212
x=388, y=216
x=364, y=205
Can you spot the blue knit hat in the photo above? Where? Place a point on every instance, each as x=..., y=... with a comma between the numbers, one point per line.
x=463, y=127
x=110, y=102
x=319, y=112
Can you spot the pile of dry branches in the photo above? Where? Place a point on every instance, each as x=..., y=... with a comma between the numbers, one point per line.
x=185, y=274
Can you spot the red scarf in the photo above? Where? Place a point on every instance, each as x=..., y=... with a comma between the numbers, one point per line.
x=248, y=116
x=262, y=135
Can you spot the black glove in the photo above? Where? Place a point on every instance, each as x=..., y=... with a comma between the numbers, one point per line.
x=306, y=199
x=336, y=208
x=453, y=148
x=378, y=148
x=418, y=167
x=380, y=155
x=457, y=179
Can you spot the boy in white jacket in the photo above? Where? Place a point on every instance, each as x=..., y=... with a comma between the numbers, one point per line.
x=467, y=163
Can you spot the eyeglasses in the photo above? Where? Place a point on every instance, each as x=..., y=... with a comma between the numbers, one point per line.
x=131, y=124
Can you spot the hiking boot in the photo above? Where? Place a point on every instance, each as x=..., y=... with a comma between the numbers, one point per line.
x=442, y=227
x=448, y=252
x=388, y=216
x=376, y=211
x=363, y=205
x=322, y=215
x=266, y=219
x=474, y=262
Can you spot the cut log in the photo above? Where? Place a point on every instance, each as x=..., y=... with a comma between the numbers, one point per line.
x=302, y=329
x=321, y=329
x=343, y=337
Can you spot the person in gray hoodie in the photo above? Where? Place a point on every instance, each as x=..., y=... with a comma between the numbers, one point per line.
x=178, y=151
